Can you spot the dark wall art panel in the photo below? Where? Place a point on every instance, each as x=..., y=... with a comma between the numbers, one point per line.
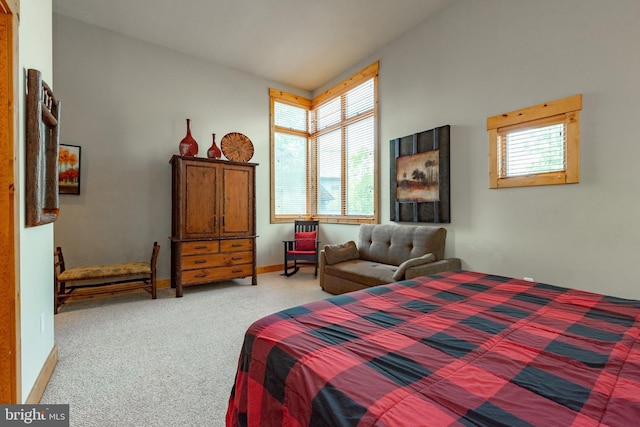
x=420, y=188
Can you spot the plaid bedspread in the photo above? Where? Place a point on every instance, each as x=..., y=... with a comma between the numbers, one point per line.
x=457, y=349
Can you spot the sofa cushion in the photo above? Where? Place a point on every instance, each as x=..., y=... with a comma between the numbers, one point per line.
x=340, y=253
x=305, y=240
x=394, y=244
x=366, y=272
x=424, y=259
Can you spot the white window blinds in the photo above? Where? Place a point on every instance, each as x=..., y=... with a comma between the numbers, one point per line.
x=324, y=152
x=536, y=150
x=345, y=135
x=290, y=158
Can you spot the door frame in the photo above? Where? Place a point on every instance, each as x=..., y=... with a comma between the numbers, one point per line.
x=10, y=348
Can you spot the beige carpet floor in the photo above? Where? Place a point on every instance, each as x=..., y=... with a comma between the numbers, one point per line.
x=128, y=360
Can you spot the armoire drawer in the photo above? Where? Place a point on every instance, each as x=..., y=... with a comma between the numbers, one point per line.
x=201, y=247
x=191, y=262
x=236, y=245
x=204, y=275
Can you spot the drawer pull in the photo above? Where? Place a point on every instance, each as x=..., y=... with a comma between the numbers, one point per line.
x=200, y=275
x=236, y=271
x=236, y=245
x=200, y=261
x=201, y=247
x=236, y=258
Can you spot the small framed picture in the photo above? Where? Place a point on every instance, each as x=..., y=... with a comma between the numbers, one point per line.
x=69, y=169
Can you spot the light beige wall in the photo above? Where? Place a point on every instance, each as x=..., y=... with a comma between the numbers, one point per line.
x=482, y=58
x=125, y=103
x=35, y=243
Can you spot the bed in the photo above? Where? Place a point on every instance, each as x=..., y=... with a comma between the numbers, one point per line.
x=459, y=348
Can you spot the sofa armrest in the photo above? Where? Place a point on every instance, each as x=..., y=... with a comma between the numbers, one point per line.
x=322, y=261
x=433, y=268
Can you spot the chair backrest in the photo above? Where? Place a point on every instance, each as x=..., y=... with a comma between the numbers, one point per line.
x=58, y=262
x=306, y=243
x=305, y=226
x=154, y=256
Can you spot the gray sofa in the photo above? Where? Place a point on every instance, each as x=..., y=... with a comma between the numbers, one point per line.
x=384, y=253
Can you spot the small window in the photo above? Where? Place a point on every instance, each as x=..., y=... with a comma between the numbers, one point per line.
x=538, y=145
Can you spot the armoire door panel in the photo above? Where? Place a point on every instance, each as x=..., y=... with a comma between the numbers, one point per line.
x=237, y=209
x=200, y=201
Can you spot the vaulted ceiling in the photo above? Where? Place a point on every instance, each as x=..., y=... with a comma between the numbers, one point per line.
x=303, y=43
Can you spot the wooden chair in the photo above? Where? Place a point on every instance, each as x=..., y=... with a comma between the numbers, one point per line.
x=141, y=274
x=303, y=249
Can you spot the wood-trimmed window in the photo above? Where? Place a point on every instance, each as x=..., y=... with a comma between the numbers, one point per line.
x=324, y=161
x=538, y=145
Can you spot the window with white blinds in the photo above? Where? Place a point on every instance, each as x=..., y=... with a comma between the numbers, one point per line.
x=537, y=145
x=290, y=174
x=329, y=149
x=531, y=151
x=289, y=154
x=324, y=153
x=360, y=186
x=344, y=133
x=290, y=117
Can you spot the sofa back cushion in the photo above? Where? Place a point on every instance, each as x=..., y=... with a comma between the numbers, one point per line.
x=394, y=244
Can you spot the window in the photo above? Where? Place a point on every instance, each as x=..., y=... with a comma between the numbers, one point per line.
x=289, y=140
x=537, y=145
x=324, y=153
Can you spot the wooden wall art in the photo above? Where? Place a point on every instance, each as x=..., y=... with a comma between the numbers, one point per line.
x=43, y=138
x=420, y=188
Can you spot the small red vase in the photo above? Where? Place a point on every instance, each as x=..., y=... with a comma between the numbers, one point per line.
x=214, y=152
x=188, y=146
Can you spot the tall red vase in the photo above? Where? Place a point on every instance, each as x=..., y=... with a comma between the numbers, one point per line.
x=188, y=146
x=214, y=152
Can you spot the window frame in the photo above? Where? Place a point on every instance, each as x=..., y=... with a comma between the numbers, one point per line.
x=338, y=91
x=566, y=111
x=296, y=101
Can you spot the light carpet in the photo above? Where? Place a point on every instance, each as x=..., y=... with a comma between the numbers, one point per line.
x=128, y=360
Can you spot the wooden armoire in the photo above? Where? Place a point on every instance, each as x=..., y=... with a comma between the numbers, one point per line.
x=213, y=224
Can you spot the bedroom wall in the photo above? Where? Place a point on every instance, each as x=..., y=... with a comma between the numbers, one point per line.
x=481, y=58
x=35, y=252
x=125, y=103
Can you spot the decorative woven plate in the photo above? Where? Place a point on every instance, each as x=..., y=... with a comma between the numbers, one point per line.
x=236, y=147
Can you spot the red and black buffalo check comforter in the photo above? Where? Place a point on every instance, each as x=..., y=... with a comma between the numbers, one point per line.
x=456, y=349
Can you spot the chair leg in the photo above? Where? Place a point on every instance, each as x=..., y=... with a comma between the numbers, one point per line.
x=154, y=287
x=294, y=268
x=55, y=295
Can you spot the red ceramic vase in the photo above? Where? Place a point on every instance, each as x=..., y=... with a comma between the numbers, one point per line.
x=214, y=152
x=188, y=146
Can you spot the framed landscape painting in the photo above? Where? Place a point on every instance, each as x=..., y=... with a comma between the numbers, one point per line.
x=419, y=175
x=69, y=169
